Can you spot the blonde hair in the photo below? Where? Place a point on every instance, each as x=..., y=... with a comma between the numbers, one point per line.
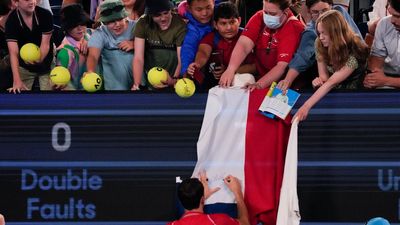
x=343, y=41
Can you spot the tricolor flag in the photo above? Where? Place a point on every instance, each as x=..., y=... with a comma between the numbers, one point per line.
x=236, y=139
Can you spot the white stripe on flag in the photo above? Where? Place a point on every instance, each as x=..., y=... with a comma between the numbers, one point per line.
x=220, y=148
x=288, y=211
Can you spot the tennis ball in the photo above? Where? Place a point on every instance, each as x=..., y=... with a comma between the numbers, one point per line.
x=156, y=75
x=30, y=53
x=60, y=75
x=91, y=82
x=185, y=87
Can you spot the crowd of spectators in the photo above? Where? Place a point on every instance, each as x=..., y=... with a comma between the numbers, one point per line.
x=122, y=40
x=311, y=44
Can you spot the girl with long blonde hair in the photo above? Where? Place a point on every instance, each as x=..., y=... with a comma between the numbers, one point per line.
x=341, y=57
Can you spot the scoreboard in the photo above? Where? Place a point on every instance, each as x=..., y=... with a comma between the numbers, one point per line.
x=112, y=158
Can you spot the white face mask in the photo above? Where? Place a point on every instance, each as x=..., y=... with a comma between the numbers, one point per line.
x=272, y=22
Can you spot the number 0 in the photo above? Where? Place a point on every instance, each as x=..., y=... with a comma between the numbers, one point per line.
x=54, y=137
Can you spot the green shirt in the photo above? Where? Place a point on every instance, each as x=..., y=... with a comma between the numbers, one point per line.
x=161, y=45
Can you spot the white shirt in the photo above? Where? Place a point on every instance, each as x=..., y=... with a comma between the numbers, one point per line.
x=379, y=10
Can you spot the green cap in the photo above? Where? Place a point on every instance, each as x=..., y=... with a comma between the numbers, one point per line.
x=111, y=10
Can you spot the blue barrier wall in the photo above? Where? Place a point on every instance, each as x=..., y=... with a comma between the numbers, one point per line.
x=112, y=158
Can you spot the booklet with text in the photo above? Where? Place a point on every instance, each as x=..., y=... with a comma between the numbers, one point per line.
x=278, y=104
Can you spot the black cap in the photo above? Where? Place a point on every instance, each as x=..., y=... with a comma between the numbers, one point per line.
x=72, y=16
x=157, y=6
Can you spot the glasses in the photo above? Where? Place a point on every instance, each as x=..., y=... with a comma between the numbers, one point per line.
x=317, y=13
x=108, y=12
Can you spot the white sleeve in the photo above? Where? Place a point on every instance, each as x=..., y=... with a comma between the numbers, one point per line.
x=379, y=10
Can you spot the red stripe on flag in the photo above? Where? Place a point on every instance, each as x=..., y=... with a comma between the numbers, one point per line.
x=266, y=143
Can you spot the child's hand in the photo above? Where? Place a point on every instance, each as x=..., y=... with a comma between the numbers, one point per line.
x=17, y=87
x=57, y=87
x=135, y=87
x=283, y=85
x=83, y=47
x=302, y=113
x=170, y=82
x=226, y=79
x=192, y=68
x=126, y=46
x=317, y=82
x=32, y=62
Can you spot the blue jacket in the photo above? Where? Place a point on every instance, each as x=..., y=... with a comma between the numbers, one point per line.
x=305, y=55
x=194, y=33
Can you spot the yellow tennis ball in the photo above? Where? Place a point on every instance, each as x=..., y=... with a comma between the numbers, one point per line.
x=156, y=75
x=30, y=53
x=60, y=75
x=185, y=87
x=91, y=82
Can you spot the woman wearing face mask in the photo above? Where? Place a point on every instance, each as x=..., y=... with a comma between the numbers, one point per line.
x=274, y=34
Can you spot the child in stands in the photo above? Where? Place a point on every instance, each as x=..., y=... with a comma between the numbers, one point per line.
x=215, y=48
x=199, y=14
x=30, y=24
x=341, y=57
x=113, y=41
x=72, y=52
x=158, y=40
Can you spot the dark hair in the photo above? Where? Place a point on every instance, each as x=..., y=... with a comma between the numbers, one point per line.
x=395, y=4
x=154, y=7
x=226, y=10
x=189, y=2
x=5, y=7
x=283, y=4
x=310, y=3
x=73, y=15
x=190, y=192
x=139, y=6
